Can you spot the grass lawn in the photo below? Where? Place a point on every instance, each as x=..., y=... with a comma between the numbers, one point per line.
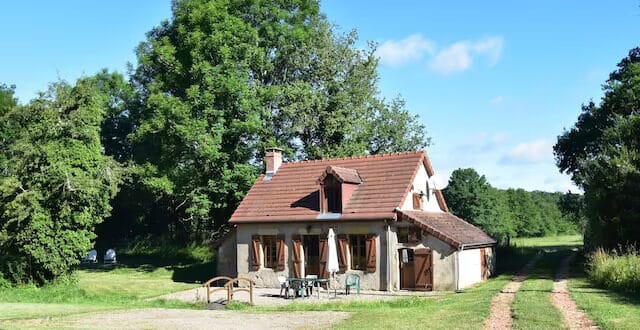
x=610, y=310
x=549, y=241
x=532, y=308
x=95, y=288
x=449, y=310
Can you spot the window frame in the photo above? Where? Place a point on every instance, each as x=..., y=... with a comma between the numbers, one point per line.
x=360, y=241
x=270, y=259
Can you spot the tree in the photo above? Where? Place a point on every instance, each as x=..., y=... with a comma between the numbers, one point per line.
x=222, y=80
x=57, y=184
x=602, y=154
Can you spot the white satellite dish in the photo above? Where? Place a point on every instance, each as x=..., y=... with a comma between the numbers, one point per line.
x=437, y=182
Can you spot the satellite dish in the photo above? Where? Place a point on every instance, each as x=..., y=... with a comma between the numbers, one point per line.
x=437, y=182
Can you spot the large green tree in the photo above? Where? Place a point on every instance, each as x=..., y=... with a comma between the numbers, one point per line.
x=56, y=184
x=602, y=154
x=221, y=80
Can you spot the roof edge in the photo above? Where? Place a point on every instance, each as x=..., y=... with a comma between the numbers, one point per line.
x=296, y=218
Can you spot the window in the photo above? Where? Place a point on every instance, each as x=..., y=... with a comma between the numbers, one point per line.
x=269, y=249
x=357, y=243
x=332, y=195
x=409, y=235
x=417, y=201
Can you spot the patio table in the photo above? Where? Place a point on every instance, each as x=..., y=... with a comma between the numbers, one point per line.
x=301, y=283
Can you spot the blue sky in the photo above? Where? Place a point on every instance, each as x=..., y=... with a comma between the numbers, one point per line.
x=494, y=81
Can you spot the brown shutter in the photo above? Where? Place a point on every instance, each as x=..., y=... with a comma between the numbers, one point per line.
x=423, y=272
x=323, y=258
x=417, y=201
x=343, y=246
x=280, y=253
x=371, y=253
x=255, y=252
x=483, y=263
x=297, y=259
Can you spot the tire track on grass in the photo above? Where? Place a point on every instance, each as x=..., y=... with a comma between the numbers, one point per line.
x=500, y=316
x=574, y=317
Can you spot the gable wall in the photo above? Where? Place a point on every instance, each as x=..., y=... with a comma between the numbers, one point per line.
x=429, y=203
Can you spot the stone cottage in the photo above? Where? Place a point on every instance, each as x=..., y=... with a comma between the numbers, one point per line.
x=392, y=226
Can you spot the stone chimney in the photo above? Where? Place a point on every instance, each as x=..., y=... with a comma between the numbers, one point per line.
x=273, y=160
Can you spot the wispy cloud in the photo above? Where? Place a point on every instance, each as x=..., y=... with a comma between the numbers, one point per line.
x=482, y=142
x=529, y=153
x=497, y=100
x=413, y=47
x=460, y=55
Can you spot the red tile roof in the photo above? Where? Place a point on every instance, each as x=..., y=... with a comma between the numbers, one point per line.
x=448, y=228
x=292, y=193
x=343, y=175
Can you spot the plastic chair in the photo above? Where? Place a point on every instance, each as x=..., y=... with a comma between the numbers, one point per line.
x=110, y=256
x=284, y=285
x=91, y=258
x=352, y=280
x=310, y=284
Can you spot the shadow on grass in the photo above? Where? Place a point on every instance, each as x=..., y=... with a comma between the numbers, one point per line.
x=184, y=270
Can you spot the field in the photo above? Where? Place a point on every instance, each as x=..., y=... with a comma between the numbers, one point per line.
x=100, y=288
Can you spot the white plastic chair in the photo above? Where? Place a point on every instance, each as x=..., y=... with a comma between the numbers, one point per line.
x=91, y=257
x=110, y=256
x=284, y=285
x=311, y=284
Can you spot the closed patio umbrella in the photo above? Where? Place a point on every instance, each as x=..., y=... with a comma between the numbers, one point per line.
x=332, y=258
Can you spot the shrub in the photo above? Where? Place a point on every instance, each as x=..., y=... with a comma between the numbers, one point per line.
x=616, y=270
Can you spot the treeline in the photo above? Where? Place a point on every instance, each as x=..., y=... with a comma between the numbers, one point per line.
x=601, y=152
x=172, y=148
x=509, y=213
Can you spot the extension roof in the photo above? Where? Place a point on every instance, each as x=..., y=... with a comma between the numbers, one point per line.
x=292, y=194
x=448, y=228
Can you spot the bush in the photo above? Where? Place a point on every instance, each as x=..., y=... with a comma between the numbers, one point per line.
x=616, y=270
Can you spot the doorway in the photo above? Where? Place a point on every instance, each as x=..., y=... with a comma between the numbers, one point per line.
x=407, y=272
x=311, y=247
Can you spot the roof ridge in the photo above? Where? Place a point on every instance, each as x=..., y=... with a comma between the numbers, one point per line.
x=390, y=154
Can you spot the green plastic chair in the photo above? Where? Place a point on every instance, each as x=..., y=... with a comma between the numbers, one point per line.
x=352, y=280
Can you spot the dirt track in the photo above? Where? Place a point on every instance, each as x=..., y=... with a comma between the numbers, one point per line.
x=158, y=318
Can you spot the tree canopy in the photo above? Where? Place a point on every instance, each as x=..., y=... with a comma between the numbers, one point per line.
x=56, y=183
x=601, y=152
x=507, y=213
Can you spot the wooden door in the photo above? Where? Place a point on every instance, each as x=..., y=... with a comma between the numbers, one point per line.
x=483, y=263
x=407, y=273
x=423, y=269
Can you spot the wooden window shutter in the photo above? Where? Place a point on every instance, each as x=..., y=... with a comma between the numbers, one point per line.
x=323, y=258
x=417, y=201
x=280, y=247
x=423, y=269
x=371, y=253
x=343, y=248
x=255, y=253
x=297, y=258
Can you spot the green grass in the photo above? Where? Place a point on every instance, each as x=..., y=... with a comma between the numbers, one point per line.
x=97, y=288
x=610, y=310
x=532, y=308
x=619, y=271
x=548, y=242
x=448, y=310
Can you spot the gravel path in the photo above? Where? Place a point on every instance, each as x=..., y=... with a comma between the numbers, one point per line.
x=574, y=318
x=158, y=318
x=500, y=316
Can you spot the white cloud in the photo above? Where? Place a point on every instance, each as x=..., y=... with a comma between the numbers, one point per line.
x=531, y=152
x=460, y=55
x=413, y=47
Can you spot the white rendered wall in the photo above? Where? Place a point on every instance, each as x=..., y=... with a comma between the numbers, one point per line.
x=470, y=269
x=429, y=202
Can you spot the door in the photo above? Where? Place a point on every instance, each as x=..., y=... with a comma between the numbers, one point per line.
x=311, y=245
x=483, y=263
x=423, y=269
x=407, y=273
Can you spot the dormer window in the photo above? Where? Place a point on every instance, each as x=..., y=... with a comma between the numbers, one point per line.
x=332, y=202
x=337, y=185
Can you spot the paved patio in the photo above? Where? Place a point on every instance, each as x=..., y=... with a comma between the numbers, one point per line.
x=270, y=297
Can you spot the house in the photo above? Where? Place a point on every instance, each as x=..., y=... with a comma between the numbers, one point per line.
x=392, y=228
